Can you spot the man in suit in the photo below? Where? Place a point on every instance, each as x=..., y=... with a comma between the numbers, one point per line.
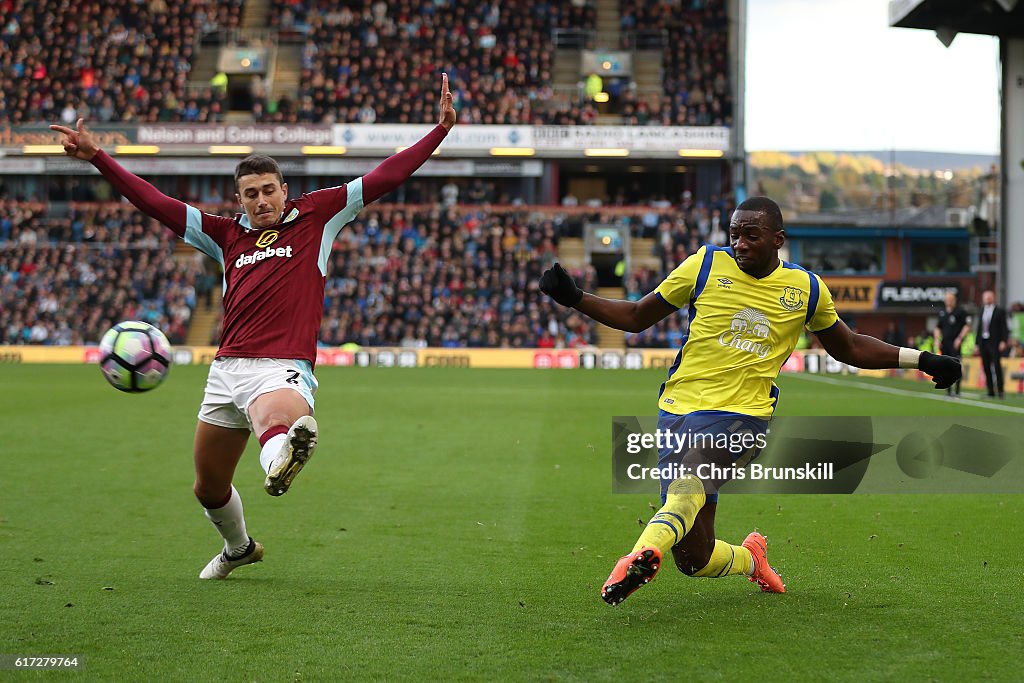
x=993, y=338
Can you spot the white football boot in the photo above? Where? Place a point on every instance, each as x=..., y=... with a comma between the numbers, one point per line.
x=295, y=453
x=222, y=565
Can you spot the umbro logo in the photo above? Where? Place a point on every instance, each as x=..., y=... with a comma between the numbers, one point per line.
x=724, y=283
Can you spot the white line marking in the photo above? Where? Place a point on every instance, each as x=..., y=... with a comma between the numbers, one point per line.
x=991, y=405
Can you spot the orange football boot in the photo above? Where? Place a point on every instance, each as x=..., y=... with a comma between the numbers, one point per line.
x=764, y=575
x=630, y=573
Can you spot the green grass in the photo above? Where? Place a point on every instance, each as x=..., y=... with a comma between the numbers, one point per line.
x=458, y=524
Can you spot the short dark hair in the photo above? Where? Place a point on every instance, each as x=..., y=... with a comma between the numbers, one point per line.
x=766, y=206
x=257, y=164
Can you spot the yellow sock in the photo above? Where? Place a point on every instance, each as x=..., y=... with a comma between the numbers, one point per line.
x=728, y=560
x=684, y=500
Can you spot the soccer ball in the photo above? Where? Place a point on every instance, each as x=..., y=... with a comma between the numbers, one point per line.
x=134, y=356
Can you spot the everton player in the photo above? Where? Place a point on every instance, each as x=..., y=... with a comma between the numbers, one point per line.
x=275, y=257
x=747, y=309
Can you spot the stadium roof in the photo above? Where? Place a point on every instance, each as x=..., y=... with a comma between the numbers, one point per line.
x=988, y=17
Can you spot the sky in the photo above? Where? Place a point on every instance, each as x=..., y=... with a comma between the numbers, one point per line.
x=832, y=75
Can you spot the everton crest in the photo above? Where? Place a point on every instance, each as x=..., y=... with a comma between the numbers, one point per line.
x=792, y=298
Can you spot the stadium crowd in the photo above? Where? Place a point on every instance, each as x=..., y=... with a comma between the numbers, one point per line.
x=363, y=61
x=99, y=224
x=123, y=60
x=447, y=277
x=447, y=274
x=373, y=61
x=696, y=84
x=458, y=275
x=66, y=280
x=442, y=276
x=72, y=293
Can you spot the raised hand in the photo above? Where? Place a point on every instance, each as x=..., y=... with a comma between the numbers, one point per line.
x=447, y=107
x=78, y=143
x=560, y=286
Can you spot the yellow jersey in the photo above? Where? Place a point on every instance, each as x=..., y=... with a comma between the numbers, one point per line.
x=742, y=329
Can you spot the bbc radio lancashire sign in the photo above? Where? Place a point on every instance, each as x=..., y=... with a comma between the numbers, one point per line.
x=664, y=139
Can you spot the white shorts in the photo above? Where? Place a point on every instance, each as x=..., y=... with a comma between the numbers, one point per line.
x=234, y=383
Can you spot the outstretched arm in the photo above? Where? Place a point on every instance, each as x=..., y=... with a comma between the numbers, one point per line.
x=862, y=351
x=80, y=144
x=858, y=350
x=396, y=169
x=629, y=316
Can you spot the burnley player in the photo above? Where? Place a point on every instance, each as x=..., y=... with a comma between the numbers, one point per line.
x=747, y=310
x=274, y=257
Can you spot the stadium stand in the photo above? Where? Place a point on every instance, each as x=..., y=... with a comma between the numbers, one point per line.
x=361, y=61
x=455, y=277
x=377, y=62
x=116, y=61
x=72, y=293
x=97, y=224
x=697, y=90
x=401, y=275
x=372, y=62
x=458, y=273
x=461, y=275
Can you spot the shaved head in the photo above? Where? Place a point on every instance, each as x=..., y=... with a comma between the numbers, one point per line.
x=766, y=206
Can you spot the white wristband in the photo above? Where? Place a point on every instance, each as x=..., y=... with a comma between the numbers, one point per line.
x=909, y=357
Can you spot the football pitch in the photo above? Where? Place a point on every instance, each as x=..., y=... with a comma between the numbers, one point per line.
x=458, y=524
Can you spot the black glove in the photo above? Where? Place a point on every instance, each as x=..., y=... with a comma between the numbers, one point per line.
x=560, y=286
x=944, y=370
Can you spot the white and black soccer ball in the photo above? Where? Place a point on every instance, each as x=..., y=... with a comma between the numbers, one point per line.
x=134, y=356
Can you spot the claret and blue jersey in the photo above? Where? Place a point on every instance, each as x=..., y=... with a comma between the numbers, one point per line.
x=274, y=277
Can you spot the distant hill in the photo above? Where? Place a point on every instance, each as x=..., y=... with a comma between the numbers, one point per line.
x=930, y=161
x=825, y=181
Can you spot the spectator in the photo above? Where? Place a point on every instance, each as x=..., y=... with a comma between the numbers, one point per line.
x=357, y=60
x=117, y=61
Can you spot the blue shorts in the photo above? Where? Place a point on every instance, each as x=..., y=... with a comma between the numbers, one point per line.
x=712, y=425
